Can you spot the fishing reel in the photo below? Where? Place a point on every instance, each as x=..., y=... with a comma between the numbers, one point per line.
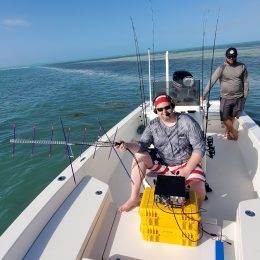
x=211, y=147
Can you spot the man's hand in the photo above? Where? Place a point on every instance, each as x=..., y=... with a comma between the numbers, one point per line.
x=122, y=146
x=184, y=172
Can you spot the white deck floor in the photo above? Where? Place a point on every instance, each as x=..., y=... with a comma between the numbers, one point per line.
x=227, y=175
x=125, y=242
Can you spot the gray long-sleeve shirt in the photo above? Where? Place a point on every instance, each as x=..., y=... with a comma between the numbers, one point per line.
x=233, y=80
x=174, y=144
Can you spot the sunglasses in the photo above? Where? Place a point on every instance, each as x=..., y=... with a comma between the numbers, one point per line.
x=231, y=57
x=160, y=109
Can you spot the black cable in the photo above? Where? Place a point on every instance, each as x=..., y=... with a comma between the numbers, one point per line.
x=141, y=174
x=202, y=230
x=115, y=151
x=198, y=212
x=199, y=224
x=174, y=213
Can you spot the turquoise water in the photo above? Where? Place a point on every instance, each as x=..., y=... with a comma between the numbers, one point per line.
x=81, y=93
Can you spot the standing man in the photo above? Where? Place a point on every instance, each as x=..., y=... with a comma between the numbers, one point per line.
x=234, y=87
x=179, y=147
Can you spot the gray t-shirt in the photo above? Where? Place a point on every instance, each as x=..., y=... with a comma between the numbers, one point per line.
x=233, y=80
x=174, y=144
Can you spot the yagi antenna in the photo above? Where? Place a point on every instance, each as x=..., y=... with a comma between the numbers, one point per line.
x=66, y=142
x=109, y=143
x=57, y=142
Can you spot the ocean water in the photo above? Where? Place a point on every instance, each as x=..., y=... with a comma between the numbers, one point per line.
x=81, y=93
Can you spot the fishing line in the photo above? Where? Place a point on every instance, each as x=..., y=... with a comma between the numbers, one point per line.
x=140, y=74
x=211, y=72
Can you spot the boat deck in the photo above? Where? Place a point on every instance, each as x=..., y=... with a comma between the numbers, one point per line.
x=111, y=235
x=228, y=176
x=229, y=179
x=125, y=242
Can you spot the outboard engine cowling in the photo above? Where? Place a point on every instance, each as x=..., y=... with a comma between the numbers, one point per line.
x=183, y=78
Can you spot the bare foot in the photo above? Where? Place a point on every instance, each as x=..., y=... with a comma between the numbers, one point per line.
x=130, y=204
x=227, y=132
x=229, y=136
x=234, y=134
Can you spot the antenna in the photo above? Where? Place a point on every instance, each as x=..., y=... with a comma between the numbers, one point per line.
x=150, y=81
x=167, y=71
x=68, y=151
x=68, y=143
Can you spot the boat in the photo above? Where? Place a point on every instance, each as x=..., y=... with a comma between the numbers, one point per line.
x=76, y=216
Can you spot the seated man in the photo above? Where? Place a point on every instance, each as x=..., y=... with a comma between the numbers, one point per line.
x=179, y=145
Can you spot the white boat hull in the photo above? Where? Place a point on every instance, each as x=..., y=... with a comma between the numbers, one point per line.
x=68, y=221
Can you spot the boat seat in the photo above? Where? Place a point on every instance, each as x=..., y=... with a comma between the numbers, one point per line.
x=66, y=234
x=248, y=221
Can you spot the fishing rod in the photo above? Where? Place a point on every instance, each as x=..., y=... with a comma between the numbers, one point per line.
x=211, y=72
x=202, y=51
x=140, y=74
x=153, y=55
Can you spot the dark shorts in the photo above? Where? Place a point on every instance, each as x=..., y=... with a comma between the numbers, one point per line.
x=230, y=108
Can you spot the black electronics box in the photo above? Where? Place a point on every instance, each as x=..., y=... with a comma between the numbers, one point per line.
x=170, y=186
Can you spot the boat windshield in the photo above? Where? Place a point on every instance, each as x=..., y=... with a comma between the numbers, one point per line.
x=185, y=93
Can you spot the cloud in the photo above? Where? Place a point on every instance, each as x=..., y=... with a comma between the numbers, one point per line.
x=14, y=22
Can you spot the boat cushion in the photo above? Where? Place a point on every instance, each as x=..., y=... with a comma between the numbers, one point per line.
x=67, y=233
x=248, y=221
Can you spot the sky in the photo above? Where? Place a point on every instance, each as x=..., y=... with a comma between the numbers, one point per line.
x=48, y=31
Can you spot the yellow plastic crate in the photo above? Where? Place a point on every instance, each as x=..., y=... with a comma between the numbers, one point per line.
x=171, y=236
x=159, y=215
x=162, y=224
x=185, y=224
